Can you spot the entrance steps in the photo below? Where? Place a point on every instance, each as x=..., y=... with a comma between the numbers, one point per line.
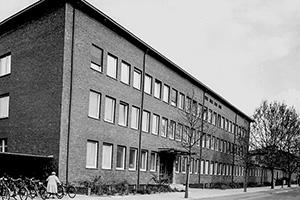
x=178, y=187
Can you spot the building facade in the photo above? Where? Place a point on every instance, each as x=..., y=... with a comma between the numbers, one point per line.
x=77, y=86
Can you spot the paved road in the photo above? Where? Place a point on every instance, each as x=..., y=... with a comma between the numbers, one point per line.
x=293, y=194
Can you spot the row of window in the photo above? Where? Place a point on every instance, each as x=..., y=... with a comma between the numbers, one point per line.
x=207, y=167
x=161, y=91
x=158, y=125
x=4, y=106
x=107, y=157
x=5, y=65
x=3, y=145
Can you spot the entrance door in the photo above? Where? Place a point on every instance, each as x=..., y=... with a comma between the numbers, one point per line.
x=166, y=166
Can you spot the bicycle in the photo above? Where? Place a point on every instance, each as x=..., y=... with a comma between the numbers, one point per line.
x=17, y=188
x=4, y=190
x=66, y=189
x=36, y=188
x=160, y=182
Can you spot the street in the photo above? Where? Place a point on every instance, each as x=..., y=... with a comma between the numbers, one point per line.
x=293, y=194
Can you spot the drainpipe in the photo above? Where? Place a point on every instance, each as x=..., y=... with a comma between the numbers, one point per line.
x=70, y=99
x=233, y=152
x=140, y=122
x=201, y=137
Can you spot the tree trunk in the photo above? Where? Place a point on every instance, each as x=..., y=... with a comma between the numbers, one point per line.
x=272, y=179
x=186, y=193
x=245, y=179
x=289, y=179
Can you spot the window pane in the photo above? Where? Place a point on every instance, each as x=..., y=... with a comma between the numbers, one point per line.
x=174, y=97
x=145, y=121
x=144, y=161
x=181, y=101
x=157, y=89
x=202, y=167
x=125, y=73
x=132, y=159
x=4, y=106
x=164, y=127
x=94, y=105
x=153, y=161
x=148, y=84
x=5, y=65
x=106, y=156
x=155, y=124
x=137, y=79
x=123, y=113
x=135, y=112
x=172, y=129
x=3, y=145
x=96, y=58
x=120, y=157
x=111, y=66
x=178, y=132
x=109, y=114
x=166, y=93
x=184, y=162
x=206, y=167
x=91, y=154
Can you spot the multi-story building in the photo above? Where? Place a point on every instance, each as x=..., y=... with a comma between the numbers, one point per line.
x=78, y=88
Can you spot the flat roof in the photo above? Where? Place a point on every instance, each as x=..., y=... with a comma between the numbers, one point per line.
x=20, y=17
x=26, y=155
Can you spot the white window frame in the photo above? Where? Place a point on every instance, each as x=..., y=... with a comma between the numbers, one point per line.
x=135, y=117
x=107, y=155
x=123, y=114
x=96, y=64
x=151, y=162
x=123, y=158
x=137, y=74
x=164, y=128
x=146, y=121
x=3, y=145
x=174, y=99
x=166, y=93
x=112, y=66
x=109, y=115
x=181, y=99
x=94, y=163
x=177, y=164
x=155, y=124
x=135, y=159
x=94, y=112
x=5, y=65
x=157, y=89
x=125, y=73
x=4, y=106
x=144, y=160
x=148, y=84
x=172, y=130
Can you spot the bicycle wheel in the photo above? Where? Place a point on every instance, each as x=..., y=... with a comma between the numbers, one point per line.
x=60, y=191
x=32, y=193
x=71, y=191
x=23, y=193
x=43, y=193
x=5, y=193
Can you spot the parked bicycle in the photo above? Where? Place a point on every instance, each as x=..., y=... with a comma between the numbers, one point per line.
x=4, y=190
x=66, y=189
x=17, y=188
x=36, y=188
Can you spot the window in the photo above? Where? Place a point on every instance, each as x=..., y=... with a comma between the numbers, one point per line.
x=132, y=159
x=5, y=63
x=109, y=114
x=209, y=118
x=121, y=154
x=155, y=124
x=219, y=121
x=174, y=97
x=172, y=130
x=185, y=137
x=112, y=66
x=222, y=122
x=96, y=58
x=94, y=104
x=211, y=169
x=226, y=124
x=216, y=168
x=206, y=167
x=203, y=140
x=184, y=163
x=217, y=141
x=208, y=141
x=148, y=84
x=212, y=143
x=177, y=163
x=166, y=93
x=125, y=73
x=164, y=127
x=145, y=121
x=181, y=101
x=157, y=89
x=123, y=114
x=91, y=154
x=188, y=104
x=137, y=74
x=153, y=159
x=178, y=132
x=3, y=145
x=191, y=166
x=215, y=119
x=4, y=106
x=205, y=115
x=196, y=166
x=135, y=115
x=107, y=156
x=144, y=160
x=202, y=169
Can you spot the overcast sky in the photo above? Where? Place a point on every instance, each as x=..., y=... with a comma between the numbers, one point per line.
x=246, y=51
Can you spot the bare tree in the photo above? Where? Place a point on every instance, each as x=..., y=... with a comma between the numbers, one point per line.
x=193, y=127
x=274, y=131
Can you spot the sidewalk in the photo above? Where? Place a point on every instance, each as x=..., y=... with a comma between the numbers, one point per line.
x=193, y=194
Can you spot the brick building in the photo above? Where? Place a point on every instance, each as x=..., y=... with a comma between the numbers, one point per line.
x=71, y=88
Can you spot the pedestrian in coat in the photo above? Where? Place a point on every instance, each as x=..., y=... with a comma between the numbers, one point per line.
x=52, y=182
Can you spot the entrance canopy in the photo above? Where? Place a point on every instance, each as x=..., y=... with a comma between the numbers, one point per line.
x=173, y=151
x=29, y=165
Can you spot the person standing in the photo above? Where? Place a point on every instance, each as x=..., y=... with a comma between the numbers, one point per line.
x=52, y=182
